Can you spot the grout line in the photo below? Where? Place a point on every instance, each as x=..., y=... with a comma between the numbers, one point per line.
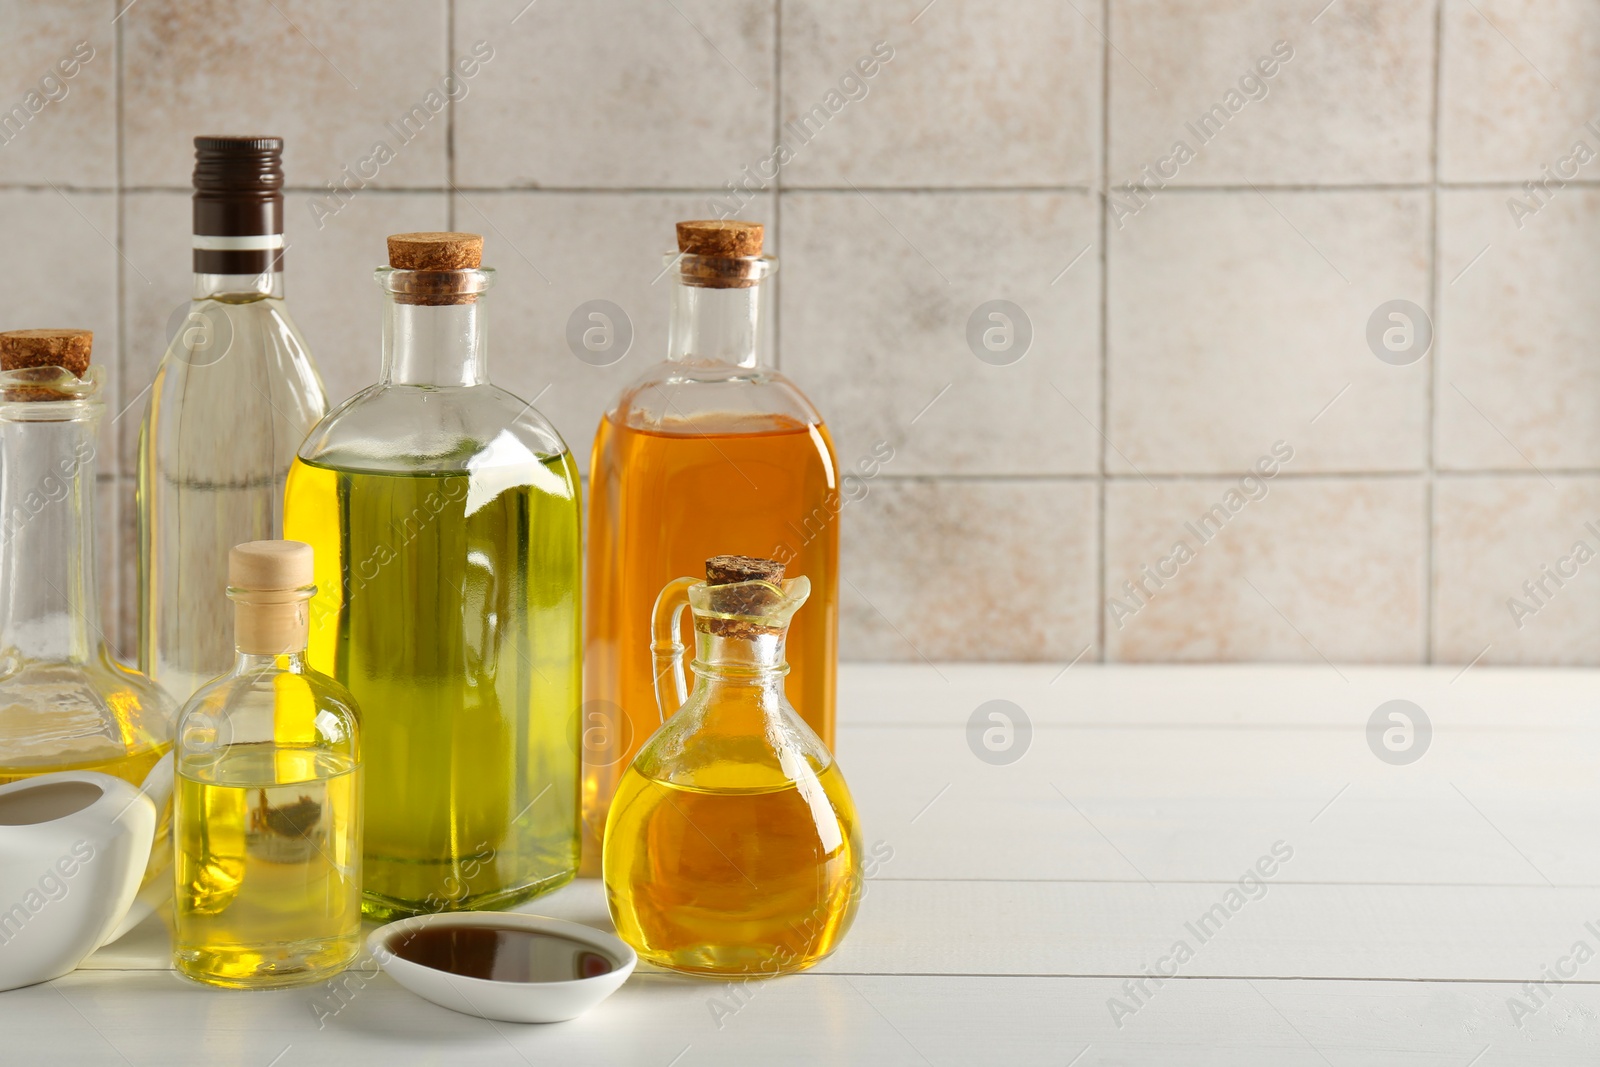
x=1105, y=332
x=774, y=298
x=829, y=190
x=118, y=549
x=1175, y=726
x=1430, y=401
x=1198, y=478
x=450, y=117
x=1317, y=883
x=1043, y=976
x=1097, y=975
x=1214, y=477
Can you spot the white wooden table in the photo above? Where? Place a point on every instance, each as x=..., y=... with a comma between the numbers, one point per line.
x=1023, y=897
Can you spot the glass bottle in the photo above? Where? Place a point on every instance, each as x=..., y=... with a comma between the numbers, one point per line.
x=444, y=513
x=731, y=847
x=65, y=702
x=267, y=814
x=233, y=397
x=706, y=452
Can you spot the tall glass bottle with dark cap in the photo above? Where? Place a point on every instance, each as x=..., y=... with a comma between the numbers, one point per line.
x=233, y=398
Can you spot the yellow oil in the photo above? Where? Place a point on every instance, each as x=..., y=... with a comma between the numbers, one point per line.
x=268, y=866
x=70, y=716
x=131, y=767
x=742, y=870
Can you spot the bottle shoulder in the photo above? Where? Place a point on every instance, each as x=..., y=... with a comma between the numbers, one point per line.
x=239, y=356
x=699, y=398
x=290, y=707
x=407, y=428
x=768, y=745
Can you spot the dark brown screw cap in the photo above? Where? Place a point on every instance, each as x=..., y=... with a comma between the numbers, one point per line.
x=20, y=349
x=436, y=251
x=727, y=238
x=725, y=570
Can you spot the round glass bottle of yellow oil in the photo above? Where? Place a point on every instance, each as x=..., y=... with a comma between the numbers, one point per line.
x=731, y=847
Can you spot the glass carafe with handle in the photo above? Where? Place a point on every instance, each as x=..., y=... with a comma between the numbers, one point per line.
x=732, y=846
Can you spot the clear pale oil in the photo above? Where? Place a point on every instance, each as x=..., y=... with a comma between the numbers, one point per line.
x=745, y=871
x=448, y=604
x=217, y=439
x=268, y=873
x=659, y=505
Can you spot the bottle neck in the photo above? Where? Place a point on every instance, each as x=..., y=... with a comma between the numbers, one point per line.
x=239, y=287
x=745, y=660
x=435, y=344
x=261, y=663
x=715, y=325
x=270, y=625
x=49, y=604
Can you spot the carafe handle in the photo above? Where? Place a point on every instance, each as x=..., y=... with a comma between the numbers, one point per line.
x=672, y=690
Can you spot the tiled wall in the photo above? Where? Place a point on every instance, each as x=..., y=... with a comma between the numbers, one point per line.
x=1178, y=334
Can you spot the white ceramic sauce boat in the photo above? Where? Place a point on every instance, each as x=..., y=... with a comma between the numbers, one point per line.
x=73, y=848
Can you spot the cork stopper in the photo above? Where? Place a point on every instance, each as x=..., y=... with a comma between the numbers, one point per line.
x=740, y=599
x=271, y=566
x=268, y=580
x=726, y=570
x=720, y=254
x=726, y=238
x=435, y=251
x=21, y=349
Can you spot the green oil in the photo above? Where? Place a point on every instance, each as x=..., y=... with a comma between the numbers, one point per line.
x=448, y=604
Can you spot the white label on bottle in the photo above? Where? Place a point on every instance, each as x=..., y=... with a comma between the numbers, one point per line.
x=259, y=242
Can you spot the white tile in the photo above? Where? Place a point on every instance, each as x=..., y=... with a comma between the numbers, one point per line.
x=329, y=79
x=1511, y=584
x=1518, y=387
x=936, y=570
x=1296, y=569
x=58, y=108
x=1518, y=81
x=556, y=251
x=1349, y=97
x=1237, y=318
x=60, y=270
x=879, y=291
x=964, y=93
x=614, y=94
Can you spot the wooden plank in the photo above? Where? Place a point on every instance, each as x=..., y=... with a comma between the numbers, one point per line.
x=153, y=1019
x=1482, y=806
x=1217, y=694
x=1506, y=933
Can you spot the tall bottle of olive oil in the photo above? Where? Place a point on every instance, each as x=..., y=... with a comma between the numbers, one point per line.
x=444, y=514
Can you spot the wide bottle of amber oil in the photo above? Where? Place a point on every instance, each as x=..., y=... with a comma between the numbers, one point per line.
x=706, y=452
